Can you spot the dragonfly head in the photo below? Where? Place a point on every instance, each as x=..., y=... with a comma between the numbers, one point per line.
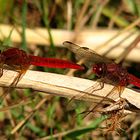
x=99, y=69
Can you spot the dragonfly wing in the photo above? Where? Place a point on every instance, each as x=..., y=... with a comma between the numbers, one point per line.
x=89, y=56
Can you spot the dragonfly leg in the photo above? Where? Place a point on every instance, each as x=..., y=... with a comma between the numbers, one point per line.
x=21, y=72
x=97, y=105
x=121, y=89
x=13, y=84
x=101, y=86
x=1, y=70
x=97, y=86
x=90, y=90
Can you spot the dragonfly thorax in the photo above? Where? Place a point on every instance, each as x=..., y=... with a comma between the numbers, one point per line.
x=99, y=69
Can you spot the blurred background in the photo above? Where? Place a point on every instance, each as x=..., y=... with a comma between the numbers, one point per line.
x=110, y=27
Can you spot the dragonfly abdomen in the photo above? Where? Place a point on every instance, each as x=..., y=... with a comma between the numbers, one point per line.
x=53, y=63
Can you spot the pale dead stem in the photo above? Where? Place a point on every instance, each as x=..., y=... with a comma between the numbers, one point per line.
x=88, y=38
x=126, y=29
x=133, y=45
x=61, y=85
x=69, y=14
x=81, y=15
x=66, y=86
x=101, y=5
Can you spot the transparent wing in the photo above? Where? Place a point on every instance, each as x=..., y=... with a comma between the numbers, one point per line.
x=89, y=56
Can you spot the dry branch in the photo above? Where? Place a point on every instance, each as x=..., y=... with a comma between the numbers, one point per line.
x=66, y=86
x=89, y=38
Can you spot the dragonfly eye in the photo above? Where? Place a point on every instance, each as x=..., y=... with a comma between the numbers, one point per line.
x=98, y=70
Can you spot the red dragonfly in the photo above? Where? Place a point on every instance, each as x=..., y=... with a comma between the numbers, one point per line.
x=19, y=60
x=105, y=69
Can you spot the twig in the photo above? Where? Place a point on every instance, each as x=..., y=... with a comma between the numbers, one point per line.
x=88, y=38
x=67, y=86
x=128, y=49
x=21, y=123
x=129, y=27
x=81, y=14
